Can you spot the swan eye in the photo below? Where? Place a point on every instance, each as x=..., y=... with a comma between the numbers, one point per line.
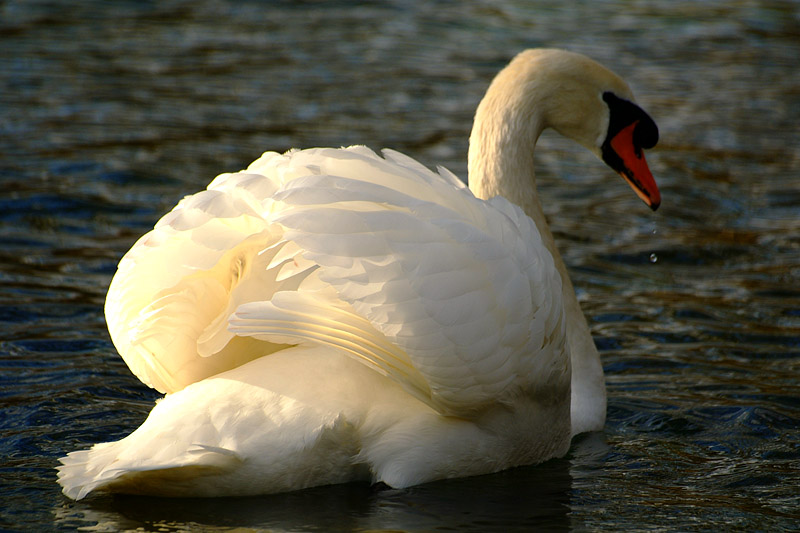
x=623, y=113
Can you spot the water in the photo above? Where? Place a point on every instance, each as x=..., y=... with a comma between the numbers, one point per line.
x=111, y=112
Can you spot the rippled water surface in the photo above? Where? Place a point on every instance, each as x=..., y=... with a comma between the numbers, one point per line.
x=112, y=111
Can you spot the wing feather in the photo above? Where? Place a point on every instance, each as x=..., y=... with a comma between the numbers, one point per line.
x=463, y=286
x=399, y=267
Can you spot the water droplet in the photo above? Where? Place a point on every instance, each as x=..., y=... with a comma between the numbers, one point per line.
x=653, y=258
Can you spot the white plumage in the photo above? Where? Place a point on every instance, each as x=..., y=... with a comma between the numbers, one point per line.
x=329, y=315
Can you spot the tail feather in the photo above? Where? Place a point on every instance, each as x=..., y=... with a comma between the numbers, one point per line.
x=101, y=469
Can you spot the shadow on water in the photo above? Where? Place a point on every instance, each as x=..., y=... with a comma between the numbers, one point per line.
x=520, y=499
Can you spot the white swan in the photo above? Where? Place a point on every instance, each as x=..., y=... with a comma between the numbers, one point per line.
x=330, y=315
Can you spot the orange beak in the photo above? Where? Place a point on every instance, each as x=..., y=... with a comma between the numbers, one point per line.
x=634, y=167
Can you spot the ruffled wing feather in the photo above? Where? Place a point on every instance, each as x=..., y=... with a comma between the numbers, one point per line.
x=397, y=266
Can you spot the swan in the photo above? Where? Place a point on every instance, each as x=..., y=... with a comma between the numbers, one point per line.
x=331, y=315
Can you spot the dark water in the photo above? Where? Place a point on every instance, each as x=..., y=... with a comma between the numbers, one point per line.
x=112, y=111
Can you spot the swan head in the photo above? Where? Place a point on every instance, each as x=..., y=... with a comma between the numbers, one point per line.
x=579, y=98
x=630, y=131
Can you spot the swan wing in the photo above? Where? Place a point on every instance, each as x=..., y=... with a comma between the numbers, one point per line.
x=459, y=293
x=170, y=299
x=169, y=302
x=401, y=268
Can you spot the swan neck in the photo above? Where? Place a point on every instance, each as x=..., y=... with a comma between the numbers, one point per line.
x=501, y=153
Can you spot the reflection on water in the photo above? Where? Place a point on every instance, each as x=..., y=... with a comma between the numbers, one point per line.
x=109, y=113
x=516, y=500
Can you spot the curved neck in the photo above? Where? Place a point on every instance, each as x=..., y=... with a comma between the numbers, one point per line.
x=501, y=163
